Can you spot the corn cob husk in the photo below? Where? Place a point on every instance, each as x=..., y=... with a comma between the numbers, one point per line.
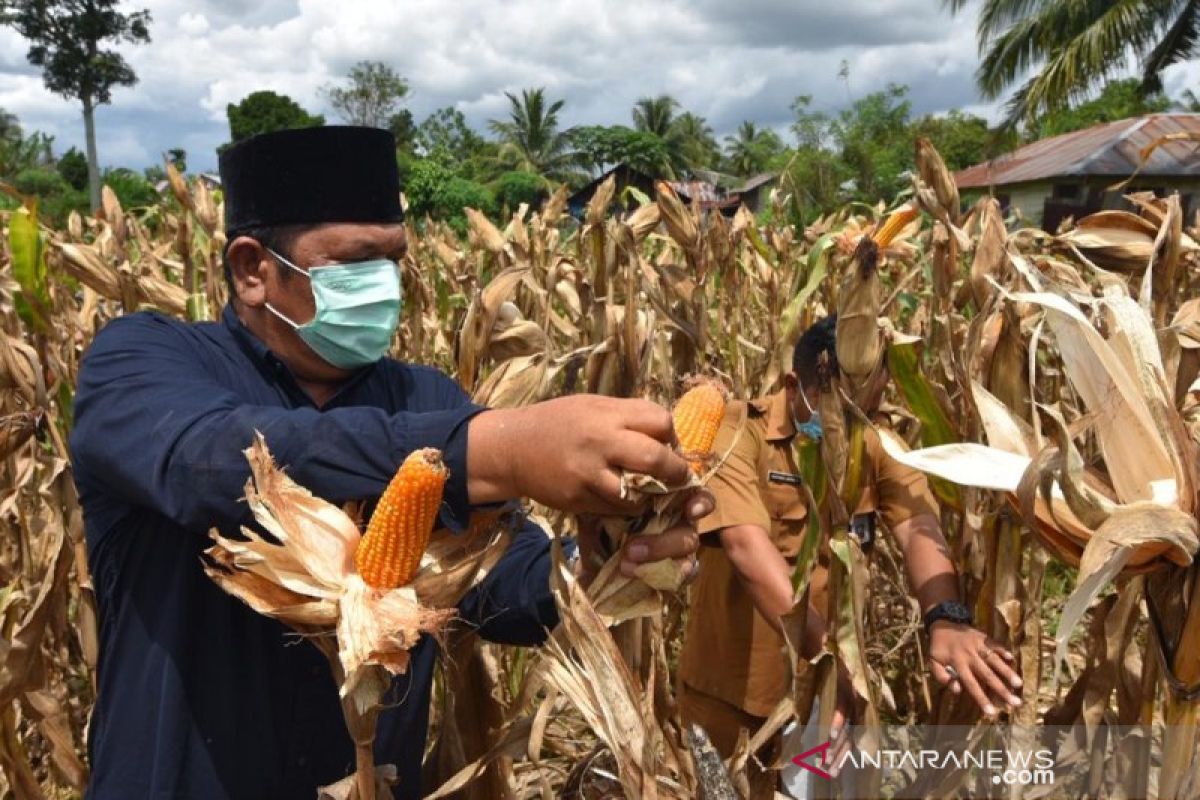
x=308, y=581
x=860, y=343
x=933, y=172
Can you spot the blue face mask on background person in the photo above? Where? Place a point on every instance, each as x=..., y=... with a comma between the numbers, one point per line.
x=812, y=428
x=358, y=308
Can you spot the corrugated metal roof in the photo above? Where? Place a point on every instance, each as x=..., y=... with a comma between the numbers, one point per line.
x=1110, y=150
x=703, y=191
x=753, y=183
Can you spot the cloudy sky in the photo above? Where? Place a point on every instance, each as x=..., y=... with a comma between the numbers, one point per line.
x=727, y=60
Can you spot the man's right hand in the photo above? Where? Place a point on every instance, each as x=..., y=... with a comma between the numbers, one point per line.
x=568, y=453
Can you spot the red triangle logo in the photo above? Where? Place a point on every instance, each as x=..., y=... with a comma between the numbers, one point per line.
x=822, y=749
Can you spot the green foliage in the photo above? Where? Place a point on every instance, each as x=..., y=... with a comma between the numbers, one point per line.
x=131, y=188
x=601, y=147
x=178, y=158
x=57, y=198
x=866, y=151
x=403, y=127
x=446, y=134
x=875, y=142
x=655, y=115
x=266, y=111
x=28, y=251
x=19, y=152
x=372, y=97
x=72, y=166
x=433, y=189
x=515, y=187
x=1117, y=100
x=752, y=149
x=40, y=182
x=963, y=139
x=530, y=139
x=1068, y=48
x=65, y=38
x=698, y=147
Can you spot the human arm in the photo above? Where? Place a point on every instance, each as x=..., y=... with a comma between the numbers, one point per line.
x=762, y=569
x=569, y=452
x=158, y=424
x=960, y=655
x=513, y=603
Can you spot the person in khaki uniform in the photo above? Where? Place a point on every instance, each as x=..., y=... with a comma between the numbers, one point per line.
x=733, y=669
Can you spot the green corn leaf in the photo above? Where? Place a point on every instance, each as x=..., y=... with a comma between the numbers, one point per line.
x=29, y=266
x=936, y=429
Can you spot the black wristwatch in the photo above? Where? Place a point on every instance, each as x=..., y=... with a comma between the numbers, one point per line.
x=949, y=610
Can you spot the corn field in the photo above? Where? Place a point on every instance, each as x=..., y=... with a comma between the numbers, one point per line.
x=1069, y=362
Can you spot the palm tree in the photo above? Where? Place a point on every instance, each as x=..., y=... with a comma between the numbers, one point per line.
x=751, y=149
x=698, y=147
x=655, y=114
x=531, y=139
x=1075, y=45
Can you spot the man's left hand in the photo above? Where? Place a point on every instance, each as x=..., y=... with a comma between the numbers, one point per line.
x=679, y=543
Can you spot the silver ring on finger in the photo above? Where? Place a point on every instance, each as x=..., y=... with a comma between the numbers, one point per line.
x=951, y=671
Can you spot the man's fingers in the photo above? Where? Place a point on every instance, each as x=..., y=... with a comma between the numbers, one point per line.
x=940, y=673
x=1004, y=669
x=699, y=505
x=678, y=542
x=969, y=682
x=637, y=452
x=604, y=497
x=650, y=419
x=1000, y=661
x=989, y=677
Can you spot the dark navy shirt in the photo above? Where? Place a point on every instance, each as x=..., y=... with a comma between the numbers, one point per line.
x=200, y=698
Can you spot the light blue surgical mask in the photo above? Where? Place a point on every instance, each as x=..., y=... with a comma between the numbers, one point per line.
x=358, y=308
x=812, y=428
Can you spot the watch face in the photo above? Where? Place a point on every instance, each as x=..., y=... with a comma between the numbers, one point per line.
x=957, y=612
x=951, y=611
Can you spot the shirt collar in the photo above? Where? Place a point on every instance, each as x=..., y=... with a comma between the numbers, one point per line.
x=272, y=366
x=254, y=347
x=779, y=417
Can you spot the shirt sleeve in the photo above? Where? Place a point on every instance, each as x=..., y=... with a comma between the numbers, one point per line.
x=155, y=429
x=734, y=486
x=513, y=603
x=903, y=491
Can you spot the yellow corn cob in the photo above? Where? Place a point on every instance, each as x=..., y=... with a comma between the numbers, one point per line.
x=697, y=418
x=390, y=551
x=894, y=224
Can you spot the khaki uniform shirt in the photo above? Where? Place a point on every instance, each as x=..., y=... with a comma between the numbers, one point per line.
x=730, y=651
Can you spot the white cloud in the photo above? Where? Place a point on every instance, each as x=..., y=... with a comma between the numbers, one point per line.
x=726, y=61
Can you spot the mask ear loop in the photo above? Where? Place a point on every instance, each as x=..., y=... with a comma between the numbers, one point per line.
x=271, y=308
x=287, y=263
x=804, y=397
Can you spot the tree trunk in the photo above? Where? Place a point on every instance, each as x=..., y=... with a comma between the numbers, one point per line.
x=89, y=127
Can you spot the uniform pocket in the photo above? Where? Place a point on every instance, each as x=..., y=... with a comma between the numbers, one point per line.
x=785, y=501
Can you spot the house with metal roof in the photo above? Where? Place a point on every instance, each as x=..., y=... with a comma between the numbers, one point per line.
x=1075, y=174
x=711, y=190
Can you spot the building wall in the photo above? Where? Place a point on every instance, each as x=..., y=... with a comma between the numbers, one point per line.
x=1090, y=194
